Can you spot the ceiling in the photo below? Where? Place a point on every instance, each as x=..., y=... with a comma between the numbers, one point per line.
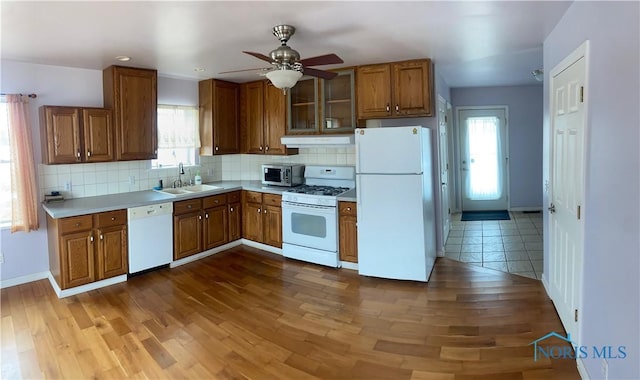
x=474, y=43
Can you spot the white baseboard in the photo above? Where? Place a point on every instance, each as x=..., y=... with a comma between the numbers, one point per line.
x=204, y=254
x=84, y=288
x=23, y=279
x=264, y=247
x=520, y=209
x=349, y=265
x=582, y=370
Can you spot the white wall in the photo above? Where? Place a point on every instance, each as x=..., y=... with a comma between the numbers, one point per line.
x=611, y=290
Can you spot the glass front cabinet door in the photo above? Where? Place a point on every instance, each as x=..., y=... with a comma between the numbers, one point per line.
x=338, y=107
x=302, y=100
x=323, y=106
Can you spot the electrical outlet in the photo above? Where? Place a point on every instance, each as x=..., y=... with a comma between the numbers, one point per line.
x=209, y=171
x=132, y=180
x=605, y=369
x=67, y=186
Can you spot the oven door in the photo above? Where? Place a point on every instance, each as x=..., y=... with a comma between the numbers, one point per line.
x=310, y=226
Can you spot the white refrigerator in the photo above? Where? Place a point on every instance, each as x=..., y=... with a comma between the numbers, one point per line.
x=396, y=217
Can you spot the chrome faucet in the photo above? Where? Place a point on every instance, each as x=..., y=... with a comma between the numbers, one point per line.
x=178, y=182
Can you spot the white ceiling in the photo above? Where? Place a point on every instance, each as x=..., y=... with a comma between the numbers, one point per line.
x=474, y=43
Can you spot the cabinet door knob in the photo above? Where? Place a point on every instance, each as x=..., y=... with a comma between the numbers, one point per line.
x=217, y=148
x=260, y=147
x=113, y=218
x=206, y=216
x=77, y=224
x=231, y=209
x=388, y=108
x=91, y=238
x=88, y=153
x=267, y=148
x=101, y=237
x=259, y=211
x=189, y=206
x=265, y=210
x=348, y=208
x=397, y=108
x=199, y=217
x=216, y=201
x=78, y=154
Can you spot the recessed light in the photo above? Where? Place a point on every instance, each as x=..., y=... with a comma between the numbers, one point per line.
x=198, y=69
x=123, y=58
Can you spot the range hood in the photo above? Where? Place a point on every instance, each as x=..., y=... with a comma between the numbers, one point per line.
x=300, y=141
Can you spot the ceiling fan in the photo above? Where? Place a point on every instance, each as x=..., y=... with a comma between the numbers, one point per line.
x=286, y=66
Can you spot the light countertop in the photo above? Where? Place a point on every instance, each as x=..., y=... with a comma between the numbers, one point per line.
x=102, y=203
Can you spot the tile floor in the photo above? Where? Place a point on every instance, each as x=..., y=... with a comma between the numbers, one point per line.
x=513, y=246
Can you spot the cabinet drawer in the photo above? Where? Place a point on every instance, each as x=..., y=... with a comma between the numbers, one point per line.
x=272, y=200
x=214, y=200
x=111, y=218
x=252, y=196
x=233, y=197
x=183, y=207
x=76, y=224
x=347, y=208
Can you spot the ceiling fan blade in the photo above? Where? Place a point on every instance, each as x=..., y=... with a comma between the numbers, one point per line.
x=319, y=73
x=239, y=71
x=327, y=59
x=259, y=56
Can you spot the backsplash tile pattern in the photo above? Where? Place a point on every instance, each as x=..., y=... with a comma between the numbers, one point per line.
x=87, y=180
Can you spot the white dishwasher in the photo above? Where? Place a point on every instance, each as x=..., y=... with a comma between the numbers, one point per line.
x=150, y=236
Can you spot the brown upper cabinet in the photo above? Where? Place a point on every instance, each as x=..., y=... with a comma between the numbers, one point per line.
x=263, y=119
x=397, y=89
x=219, y=117
x=319, y=106
x=132, y=94
x=73, y=134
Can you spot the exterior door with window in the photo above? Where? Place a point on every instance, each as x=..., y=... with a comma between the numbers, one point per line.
x=483, y=159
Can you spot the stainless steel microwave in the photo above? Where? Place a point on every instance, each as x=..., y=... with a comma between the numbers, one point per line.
x=283, y=174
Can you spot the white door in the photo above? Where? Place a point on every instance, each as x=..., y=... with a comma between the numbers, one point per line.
x=483, y=158
x=444, y=166
x=567, y=187
x=395, y=234
x=391, y=150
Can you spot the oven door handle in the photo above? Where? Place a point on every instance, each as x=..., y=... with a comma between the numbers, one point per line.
x=308, y=208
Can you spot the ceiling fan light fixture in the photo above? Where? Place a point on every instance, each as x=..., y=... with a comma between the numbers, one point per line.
x=284, y=79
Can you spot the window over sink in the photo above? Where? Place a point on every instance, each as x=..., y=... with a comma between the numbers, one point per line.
x=178, y=136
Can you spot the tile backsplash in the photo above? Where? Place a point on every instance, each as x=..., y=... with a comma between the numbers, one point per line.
x=87, y=180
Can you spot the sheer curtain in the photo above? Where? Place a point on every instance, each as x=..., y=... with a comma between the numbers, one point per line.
x=24, y=198
x=484, y=176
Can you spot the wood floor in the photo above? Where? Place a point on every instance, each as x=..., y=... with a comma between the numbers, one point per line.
x=248, y=314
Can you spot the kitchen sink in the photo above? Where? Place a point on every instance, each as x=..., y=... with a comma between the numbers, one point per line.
x=197, y=188
x=181, y=191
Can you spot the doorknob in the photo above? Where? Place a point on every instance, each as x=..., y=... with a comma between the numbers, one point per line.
x=552, y=208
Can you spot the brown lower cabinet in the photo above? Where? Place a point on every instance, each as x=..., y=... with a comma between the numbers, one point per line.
x=87, y=248
x=204, y=223
x=262, y=218
x=348, y=231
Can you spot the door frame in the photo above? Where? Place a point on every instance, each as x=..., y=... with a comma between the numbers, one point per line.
x=581, y=51
x=458, y=159
x=445, y=209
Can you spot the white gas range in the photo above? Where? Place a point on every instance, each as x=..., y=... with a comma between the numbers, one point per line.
x=310, y=215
